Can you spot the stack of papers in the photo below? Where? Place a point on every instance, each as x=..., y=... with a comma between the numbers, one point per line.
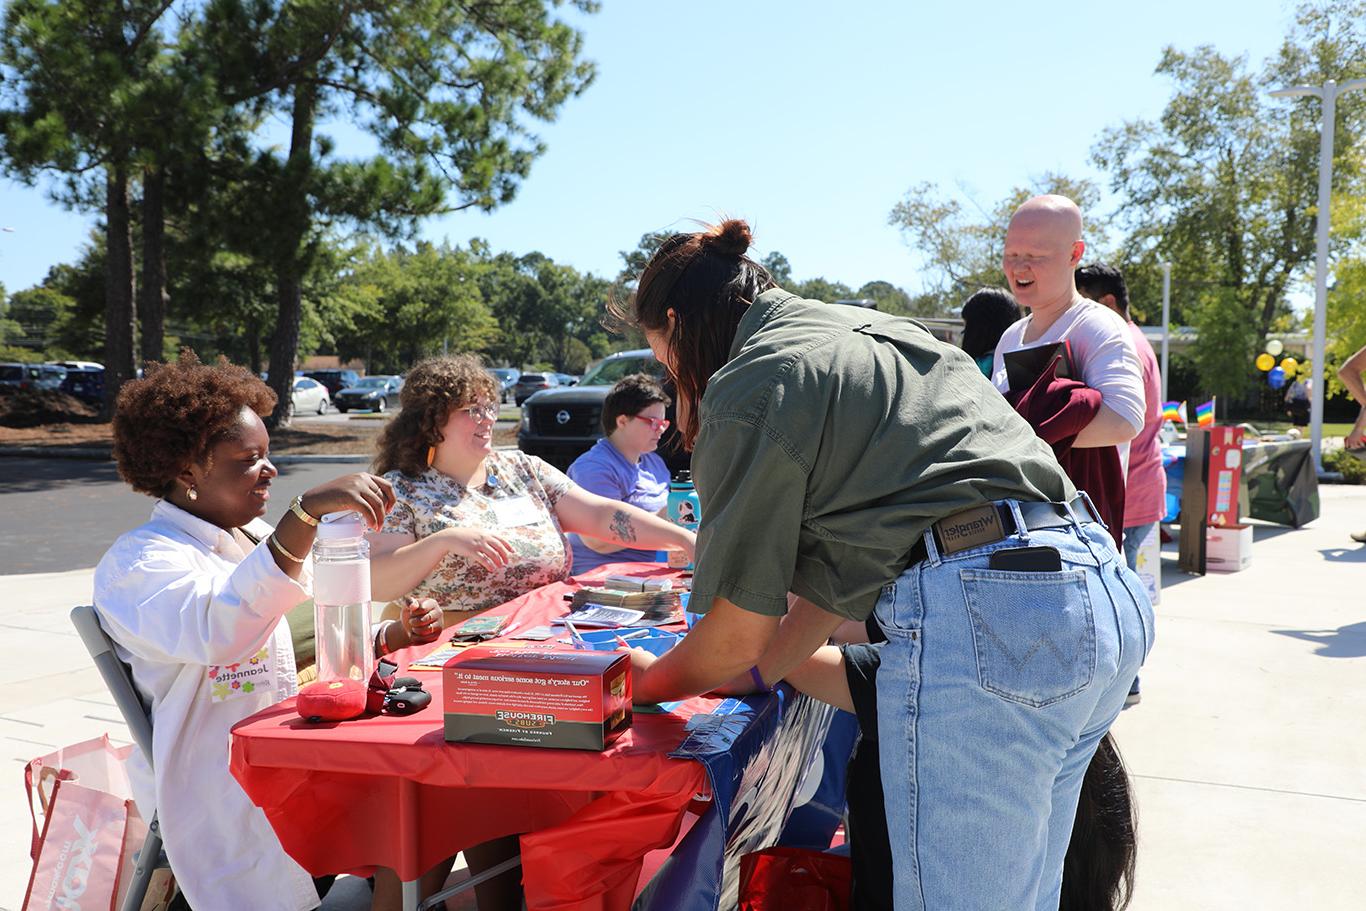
x=652, y=605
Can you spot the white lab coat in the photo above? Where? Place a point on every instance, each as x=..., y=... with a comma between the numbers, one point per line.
x=200, y=620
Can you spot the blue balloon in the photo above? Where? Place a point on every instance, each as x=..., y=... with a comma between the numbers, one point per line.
x=1275, y=377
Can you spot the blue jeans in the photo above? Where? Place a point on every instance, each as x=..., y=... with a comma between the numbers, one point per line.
x=1134, y=536
x=993, y=691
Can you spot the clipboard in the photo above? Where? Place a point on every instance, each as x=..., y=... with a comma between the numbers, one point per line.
x=1025, y=365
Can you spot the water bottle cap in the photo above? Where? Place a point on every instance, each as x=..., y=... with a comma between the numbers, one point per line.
x=341, y=526
x=683, y=477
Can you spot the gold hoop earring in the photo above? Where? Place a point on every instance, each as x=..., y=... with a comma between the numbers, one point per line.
x=192, y=493
x=431, y=455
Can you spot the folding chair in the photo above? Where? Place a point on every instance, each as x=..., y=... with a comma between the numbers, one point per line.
x=119, y=680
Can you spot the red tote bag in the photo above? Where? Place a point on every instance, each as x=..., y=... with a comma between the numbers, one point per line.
x=90, y=829
x=795, y=879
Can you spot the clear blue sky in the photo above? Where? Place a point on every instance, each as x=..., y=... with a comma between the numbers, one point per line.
x=810, y=119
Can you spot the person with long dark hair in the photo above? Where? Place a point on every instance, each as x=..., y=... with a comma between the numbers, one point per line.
x=852, y=460
x=987, y=314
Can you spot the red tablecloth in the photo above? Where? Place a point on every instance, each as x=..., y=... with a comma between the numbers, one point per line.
x=390, y=792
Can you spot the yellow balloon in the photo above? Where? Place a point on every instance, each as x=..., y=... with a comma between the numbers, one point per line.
x=1274, y=347
x=1290, y=365
x=1265, y=362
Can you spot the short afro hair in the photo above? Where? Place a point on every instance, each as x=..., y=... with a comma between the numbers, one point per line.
x=431, y=390
x=172, y=417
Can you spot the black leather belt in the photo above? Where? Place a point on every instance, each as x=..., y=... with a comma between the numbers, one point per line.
x=992, y=522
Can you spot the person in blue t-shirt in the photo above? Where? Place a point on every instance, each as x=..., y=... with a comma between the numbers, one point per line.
x=624, y=466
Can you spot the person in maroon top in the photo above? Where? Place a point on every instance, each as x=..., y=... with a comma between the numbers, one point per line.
x=1145, y=488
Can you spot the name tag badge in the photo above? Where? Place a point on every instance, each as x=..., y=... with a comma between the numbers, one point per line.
x=516, y=511
x=230, y=681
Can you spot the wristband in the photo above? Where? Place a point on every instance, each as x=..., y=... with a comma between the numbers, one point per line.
x=758, y=679
x=296, y=506
x=381, y=645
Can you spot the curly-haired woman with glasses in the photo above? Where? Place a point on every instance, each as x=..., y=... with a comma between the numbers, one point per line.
x=624, y=466
x=474, y=527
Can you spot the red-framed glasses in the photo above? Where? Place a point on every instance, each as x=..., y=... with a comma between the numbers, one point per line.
x=655, y=423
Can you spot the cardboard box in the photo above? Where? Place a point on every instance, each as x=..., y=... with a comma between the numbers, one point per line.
x=537, y=696
x=1228, y=549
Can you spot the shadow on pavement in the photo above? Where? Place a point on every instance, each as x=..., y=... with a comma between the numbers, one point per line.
x=1344, y=642
x=1353, y=554
x=33, y=475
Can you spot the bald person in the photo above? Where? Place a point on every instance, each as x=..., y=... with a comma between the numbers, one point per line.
x=1042, y=251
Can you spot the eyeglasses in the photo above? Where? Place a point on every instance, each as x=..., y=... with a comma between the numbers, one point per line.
x=655, y=423
x=477, y=412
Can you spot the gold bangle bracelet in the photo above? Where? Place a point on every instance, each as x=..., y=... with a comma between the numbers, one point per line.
x=296, y=506
x=280, y=549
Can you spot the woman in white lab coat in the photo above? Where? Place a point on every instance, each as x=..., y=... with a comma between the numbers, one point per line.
x=194, y=600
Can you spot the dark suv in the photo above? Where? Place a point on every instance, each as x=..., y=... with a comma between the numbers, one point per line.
x=334, y=380
x=562, y=423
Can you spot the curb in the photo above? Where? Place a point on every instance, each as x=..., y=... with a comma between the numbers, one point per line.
x=85, y=453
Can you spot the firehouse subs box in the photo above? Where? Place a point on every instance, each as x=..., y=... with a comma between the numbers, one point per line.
x=537, y=696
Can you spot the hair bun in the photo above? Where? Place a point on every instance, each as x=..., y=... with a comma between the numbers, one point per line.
x=731, y=237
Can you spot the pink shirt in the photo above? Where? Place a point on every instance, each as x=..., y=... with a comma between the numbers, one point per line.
x=1146, y=490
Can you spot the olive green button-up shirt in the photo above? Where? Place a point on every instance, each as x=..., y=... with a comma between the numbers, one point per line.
x=830, y=442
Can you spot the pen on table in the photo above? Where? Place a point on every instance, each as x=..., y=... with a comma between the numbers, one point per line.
x=631, y=635
x=573, y=633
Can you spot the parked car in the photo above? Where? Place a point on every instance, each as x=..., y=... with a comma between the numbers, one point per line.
x=80, y=365
x=531, y=383
x=507, y=377
x=375, y=393
x=334, y=380
x=309, y=395
x=84, y=383
x=560, y=424
x=567, y=379
x=32, y=376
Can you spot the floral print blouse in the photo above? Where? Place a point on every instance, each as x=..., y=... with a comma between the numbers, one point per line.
x=516, y=501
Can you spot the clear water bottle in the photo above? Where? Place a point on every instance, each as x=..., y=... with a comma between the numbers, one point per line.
x=341, y=598
x=684, y=509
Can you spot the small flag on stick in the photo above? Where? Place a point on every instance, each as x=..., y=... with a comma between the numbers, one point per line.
x=1204, y=414
x=1171, y=411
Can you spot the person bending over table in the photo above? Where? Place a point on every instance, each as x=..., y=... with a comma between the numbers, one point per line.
x=194, y=601
x=624, y=466
x=851, y=459
x=473, y=528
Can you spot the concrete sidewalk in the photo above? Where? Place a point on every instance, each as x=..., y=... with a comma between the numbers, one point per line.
x=1247, y=752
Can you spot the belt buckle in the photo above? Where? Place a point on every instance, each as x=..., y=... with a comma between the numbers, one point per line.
x=970, y=528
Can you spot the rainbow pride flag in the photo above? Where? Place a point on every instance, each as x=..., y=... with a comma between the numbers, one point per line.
x=1204, y=414
x=1171, y=411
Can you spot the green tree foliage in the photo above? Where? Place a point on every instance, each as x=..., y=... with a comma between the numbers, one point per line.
x=396, y=308
x=446, y=89
x=81, y=92
x=1224, y=184
x=38, y=312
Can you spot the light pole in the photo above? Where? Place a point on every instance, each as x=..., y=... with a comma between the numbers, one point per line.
x=1166, y=322
x=1329, y=93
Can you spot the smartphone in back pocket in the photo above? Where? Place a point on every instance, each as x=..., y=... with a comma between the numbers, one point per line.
x=1027, y=560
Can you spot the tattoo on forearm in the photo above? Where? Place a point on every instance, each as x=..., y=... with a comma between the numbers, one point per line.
x=621, y=526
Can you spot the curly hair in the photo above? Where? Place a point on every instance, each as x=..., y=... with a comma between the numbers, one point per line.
x=430, y=391
x=172, y=417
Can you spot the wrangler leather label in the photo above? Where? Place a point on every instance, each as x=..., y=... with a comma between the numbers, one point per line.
x=970, y=528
